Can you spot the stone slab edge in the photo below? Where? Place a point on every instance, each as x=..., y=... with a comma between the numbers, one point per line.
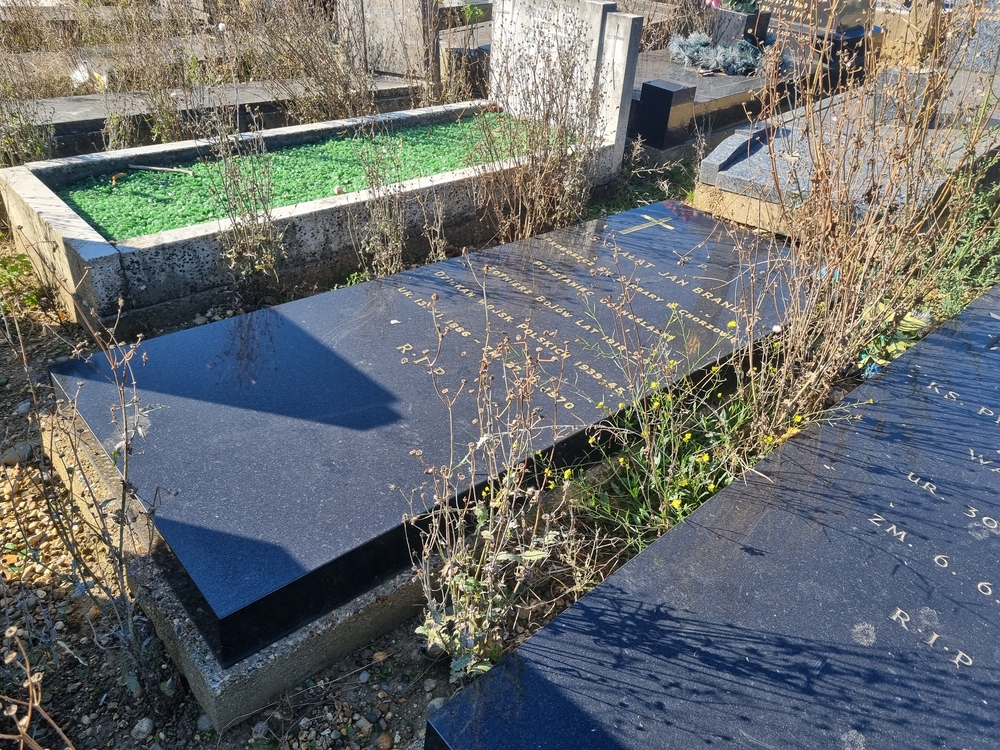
x=226, y=695
x=231, y=695
x=57, y=173
x=741, y=209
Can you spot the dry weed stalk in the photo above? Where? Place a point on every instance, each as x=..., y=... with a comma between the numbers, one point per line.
x=552, y=150
x=306, y=53
x=92, y=528
x=513, y=552
x=664, y=20
x=21, y=711
x=381, y=225
x=888, y=207
x=252, y=244
x=160, y=58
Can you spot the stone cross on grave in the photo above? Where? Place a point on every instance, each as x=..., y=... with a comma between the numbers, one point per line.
x=650, y=222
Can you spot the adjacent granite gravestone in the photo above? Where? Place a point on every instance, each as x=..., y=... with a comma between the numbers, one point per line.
x=396, y=36
x=273, y=449
x=836, y=30
x=719, y=100
x=732, y=26
x=584, y=47
x=846, y=594
x=402, y=37
x=764, y=172
x=666, y=109
x=912, y=28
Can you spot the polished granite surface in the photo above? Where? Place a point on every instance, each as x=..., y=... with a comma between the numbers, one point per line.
x=845, y=595
x=275, y=448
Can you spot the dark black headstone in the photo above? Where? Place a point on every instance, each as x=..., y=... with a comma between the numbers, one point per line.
x=846, y=595
x=274, y=448
x=819, y=16
x=732, y=26
x=666, y=109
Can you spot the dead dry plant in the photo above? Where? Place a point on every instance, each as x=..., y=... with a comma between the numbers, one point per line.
x=884, y=190
x=551, y=146
x=252, y=243
x=380, y=226
x=308, y=55
x=21, y=711
x=80, y=518
x=498, y=560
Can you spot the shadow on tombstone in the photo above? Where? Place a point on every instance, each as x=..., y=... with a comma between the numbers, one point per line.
x=251, y=364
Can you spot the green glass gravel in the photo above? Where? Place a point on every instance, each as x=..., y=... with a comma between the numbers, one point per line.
x=138, y=203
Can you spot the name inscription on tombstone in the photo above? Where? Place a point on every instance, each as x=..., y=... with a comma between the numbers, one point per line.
x=846, y=595
x=275, y=447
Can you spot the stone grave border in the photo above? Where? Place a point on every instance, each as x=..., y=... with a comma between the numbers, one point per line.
x=170, y=275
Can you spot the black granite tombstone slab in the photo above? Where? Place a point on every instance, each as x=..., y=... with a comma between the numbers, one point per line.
x=819, y=16
x=846, y=595
x=274, y=448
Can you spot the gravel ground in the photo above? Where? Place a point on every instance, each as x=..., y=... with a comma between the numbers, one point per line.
x=97, y=691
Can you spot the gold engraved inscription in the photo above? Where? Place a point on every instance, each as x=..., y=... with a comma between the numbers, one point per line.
x=674, y=278
x=713, y=298
x=498, y=311
x=459, y=287
x=585, y=291
x=572, y=253
x=640, y=262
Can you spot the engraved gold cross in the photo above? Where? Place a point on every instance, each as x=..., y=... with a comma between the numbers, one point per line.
x=650, y=222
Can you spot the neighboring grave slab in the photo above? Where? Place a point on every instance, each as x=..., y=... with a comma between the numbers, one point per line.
x=845, y=594
x=583, y=50
x=764, y=172
x=274, y=448
x=835, y=29
x=666, y=110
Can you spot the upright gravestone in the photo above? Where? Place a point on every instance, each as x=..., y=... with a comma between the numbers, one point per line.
x=579, y=53
x=275, y=448
x=845, y=595
x=396, y=36
x=835, y=29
